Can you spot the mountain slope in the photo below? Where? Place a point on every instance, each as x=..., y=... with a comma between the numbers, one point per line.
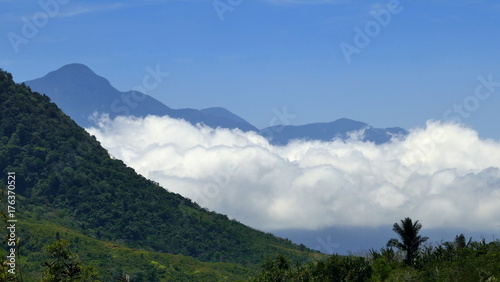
x=223, y=113
x=80, y=92
x=66, y=177
x=112, y=260
x=282, y=135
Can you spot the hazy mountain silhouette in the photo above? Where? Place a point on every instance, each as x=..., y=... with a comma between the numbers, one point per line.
x=80, y=93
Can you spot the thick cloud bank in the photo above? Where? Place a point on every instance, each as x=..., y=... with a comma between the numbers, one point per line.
x=443, y=175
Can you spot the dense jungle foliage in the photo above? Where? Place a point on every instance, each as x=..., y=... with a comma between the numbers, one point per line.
x=460, y=260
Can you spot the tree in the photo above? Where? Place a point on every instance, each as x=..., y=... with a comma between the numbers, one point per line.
x=65, y=265
x=275, y=269
x=410, y=240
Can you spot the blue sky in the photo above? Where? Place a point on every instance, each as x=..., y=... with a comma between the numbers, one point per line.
x=260, y=57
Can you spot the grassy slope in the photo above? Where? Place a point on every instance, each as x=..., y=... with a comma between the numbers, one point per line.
x=112, y=259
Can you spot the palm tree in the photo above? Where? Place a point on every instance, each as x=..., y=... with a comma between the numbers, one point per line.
x=410, y=240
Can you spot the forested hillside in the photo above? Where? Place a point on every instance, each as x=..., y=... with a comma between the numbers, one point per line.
x=66, y=179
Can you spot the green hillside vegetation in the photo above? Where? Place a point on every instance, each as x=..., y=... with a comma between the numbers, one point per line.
x=66, y=183
x=406, y=259
x=111, y=260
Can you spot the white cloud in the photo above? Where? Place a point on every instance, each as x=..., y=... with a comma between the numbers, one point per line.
x=443, y=175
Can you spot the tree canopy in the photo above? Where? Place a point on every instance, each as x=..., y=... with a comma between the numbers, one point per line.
x=410, y=241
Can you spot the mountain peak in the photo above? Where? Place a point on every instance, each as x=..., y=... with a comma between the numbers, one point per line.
x=77, y=73
x=350, y=122
x=75, y=67
x=75, y=88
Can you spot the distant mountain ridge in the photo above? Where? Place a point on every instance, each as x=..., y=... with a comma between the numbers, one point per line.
x=341, y=128
x=80, y=92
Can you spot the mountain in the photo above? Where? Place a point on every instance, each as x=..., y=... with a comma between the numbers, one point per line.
x=68, y=186
x=341, y=128
x=80, y=92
